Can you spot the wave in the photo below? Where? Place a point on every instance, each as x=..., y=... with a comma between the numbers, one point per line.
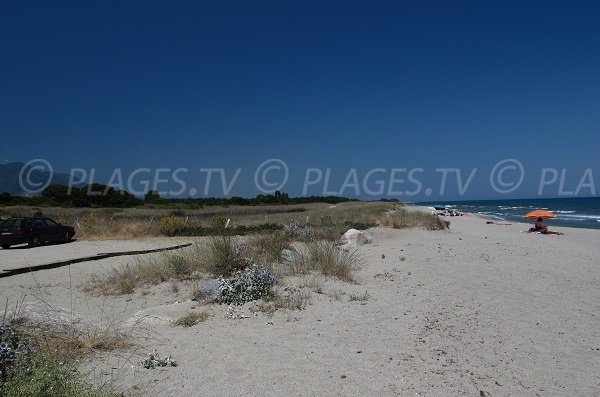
x=582, y=217
x=492, y=215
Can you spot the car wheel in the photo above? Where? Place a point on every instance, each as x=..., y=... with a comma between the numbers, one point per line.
x=67, y=237
x=5, y=246
x=35, y=241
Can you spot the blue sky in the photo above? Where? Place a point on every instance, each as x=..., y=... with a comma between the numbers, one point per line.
x=339, y=85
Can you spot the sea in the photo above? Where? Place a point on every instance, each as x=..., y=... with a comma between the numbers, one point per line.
x=570, y=212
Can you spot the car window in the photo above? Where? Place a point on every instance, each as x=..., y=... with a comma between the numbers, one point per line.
x=50, y=222
x=29, y=223
x=39, y=222
x=10, y=223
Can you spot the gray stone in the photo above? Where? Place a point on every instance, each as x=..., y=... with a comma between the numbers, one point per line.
x=355, y=238
x=208, y=289
x=288, y=255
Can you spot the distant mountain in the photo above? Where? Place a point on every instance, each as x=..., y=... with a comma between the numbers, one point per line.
x=10, y=173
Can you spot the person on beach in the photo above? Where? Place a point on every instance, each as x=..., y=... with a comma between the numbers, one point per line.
x=539, y=226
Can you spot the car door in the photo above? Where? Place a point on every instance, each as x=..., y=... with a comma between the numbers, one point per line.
x=55, y=231
x=41, y=229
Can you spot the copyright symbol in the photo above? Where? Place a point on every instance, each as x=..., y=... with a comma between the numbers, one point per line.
x=506, y=184
x=272, y=166
x=35, y=176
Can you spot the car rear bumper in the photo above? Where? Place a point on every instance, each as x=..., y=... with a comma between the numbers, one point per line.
x=13, y=240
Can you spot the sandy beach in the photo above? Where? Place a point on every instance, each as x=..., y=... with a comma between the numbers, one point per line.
x=477, y=310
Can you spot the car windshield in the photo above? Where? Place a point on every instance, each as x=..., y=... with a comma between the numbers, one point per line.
x=50, y=222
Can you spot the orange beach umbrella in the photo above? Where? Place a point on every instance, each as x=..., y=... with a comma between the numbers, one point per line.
x=539, y=214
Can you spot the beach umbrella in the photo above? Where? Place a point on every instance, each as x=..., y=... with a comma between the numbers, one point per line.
x=539, y=214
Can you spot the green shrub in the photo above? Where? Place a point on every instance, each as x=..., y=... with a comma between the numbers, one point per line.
x=218, y=222
x=238, y=230
x=170, y=225
x=47, y=378
x=89, y=223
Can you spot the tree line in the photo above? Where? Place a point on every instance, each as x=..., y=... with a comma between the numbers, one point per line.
x=99, y=195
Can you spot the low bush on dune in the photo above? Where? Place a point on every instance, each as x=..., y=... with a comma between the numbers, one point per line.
x=32, y=363
x=331, y=260
x=269, y=246
x=222, y=255
x=238, y=230
x=171, y=225
x=401, y=219
x=297, y=232
x=191, y=319
x=250, y=284
x=150, y=269
x=217, y=256
x=325, y=257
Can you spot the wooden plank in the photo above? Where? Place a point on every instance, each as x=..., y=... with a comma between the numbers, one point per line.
x=104, y=255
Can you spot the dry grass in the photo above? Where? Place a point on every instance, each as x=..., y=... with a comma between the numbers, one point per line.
x=78, y=344
x=401, y=218
x=329, y=259
x=315, y=282
x=292, y=299
x=269, y=246
x=92, y=227
x=221, y=255
x=215, y=255
x=191, y=319
x=117, y=223
x=59, y=331
x=360, y=297
x=124, y=280
x=146, y=270
x=336, y=294
x=325, y=257
x=51, y=368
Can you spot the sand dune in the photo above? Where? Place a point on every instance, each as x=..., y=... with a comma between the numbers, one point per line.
x=481, y=309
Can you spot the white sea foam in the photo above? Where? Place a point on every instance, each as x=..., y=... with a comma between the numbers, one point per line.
x=493, y=215
x=582, y=217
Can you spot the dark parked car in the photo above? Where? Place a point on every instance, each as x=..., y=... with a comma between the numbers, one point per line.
x=33, y=231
